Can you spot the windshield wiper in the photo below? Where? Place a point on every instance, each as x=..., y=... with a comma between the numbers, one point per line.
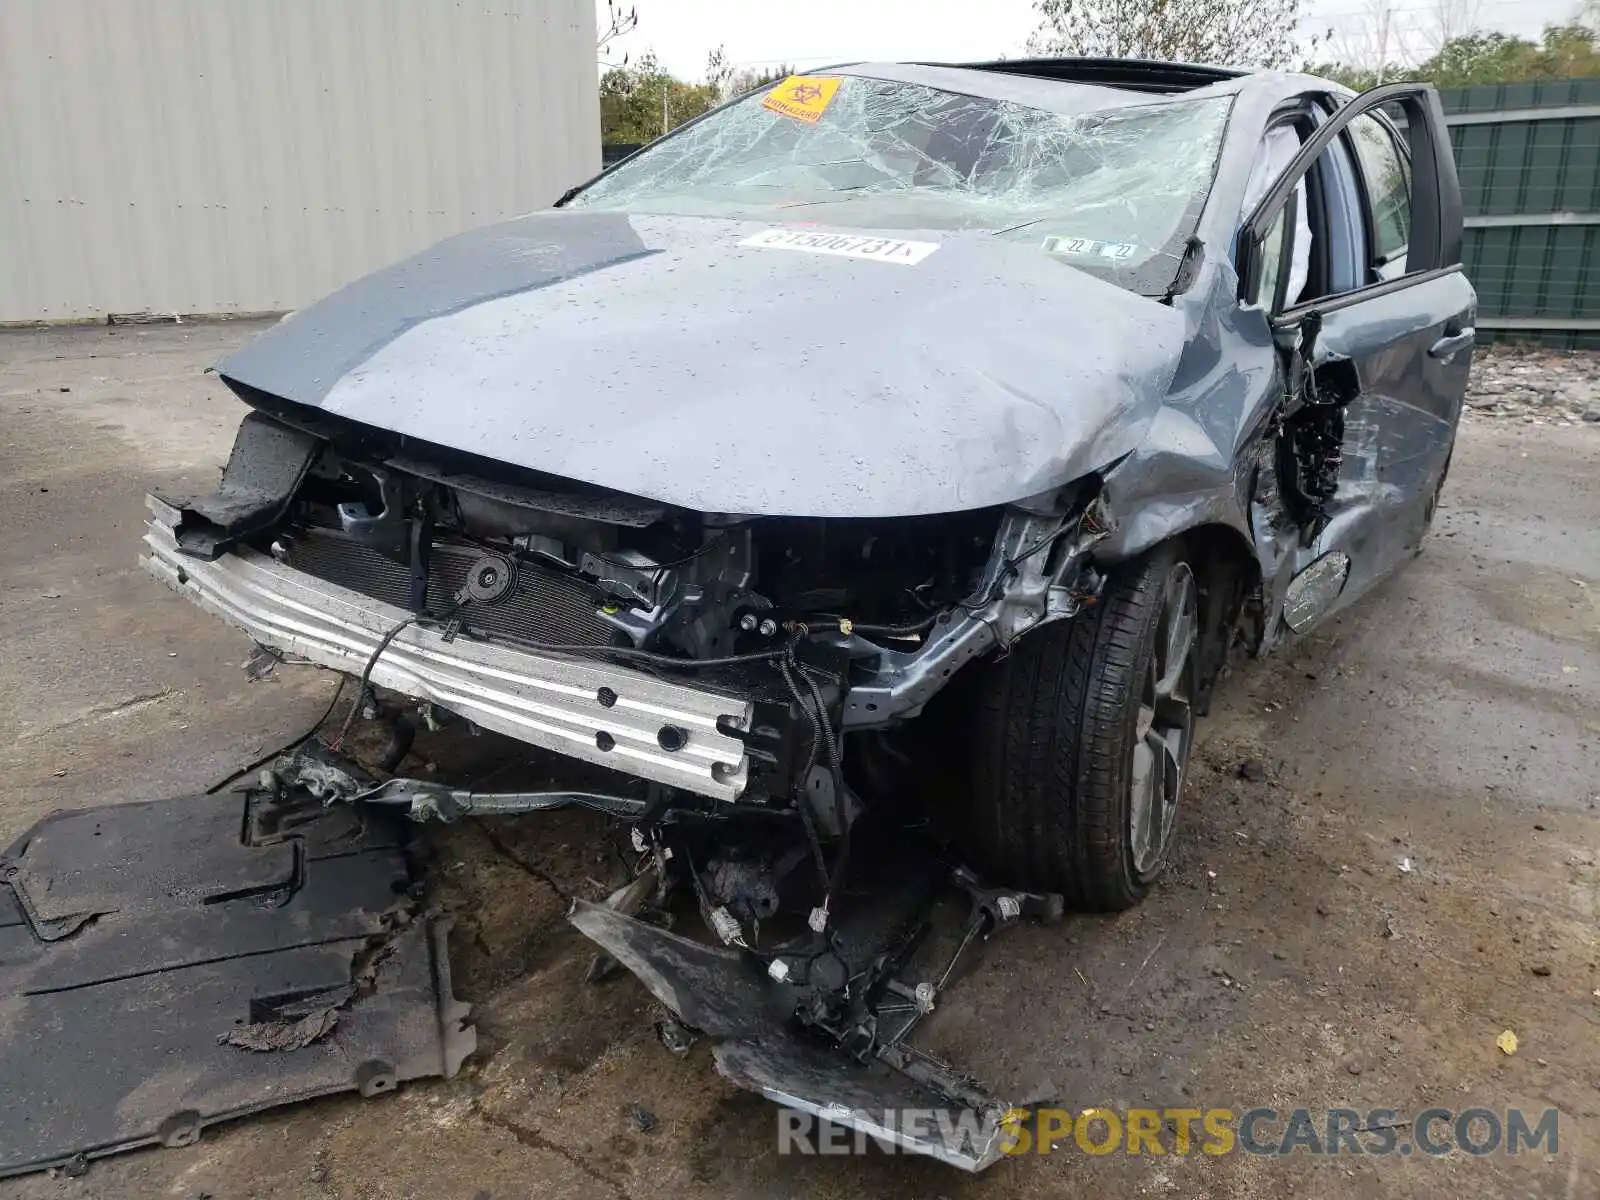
x=852, y=194
x=1024, y=225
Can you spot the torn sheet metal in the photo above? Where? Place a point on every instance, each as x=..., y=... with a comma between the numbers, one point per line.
x=724, y=994
x=168, y=965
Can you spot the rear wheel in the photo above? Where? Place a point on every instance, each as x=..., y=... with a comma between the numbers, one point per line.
x=1083, y=739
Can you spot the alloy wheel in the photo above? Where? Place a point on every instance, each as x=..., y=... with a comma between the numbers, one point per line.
x=1165, y=725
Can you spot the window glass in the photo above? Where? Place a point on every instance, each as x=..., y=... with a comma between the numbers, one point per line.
x=1272, y=246
x=1286, y=246
x=1116, y=192
x=1387, y=175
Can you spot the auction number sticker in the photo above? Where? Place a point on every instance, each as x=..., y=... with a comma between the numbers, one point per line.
x=1090, y=248
x=803, y=97
x=845, y=245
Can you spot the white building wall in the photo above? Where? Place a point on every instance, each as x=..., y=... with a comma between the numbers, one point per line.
x=226, y=156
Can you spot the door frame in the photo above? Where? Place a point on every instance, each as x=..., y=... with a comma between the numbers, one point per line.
x=1436, y=217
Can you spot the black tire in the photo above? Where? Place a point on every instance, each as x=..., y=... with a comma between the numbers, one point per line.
x=1054, y=760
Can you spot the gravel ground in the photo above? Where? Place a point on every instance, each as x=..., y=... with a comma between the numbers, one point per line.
x=1388, y=858
x=1534, y=386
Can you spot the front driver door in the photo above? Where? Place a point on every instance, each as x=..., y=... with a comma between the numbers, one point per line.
x=1377, y=362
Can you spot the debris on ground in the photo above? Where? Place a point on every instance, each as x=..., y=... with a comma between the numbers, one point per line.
x=1507, y=1041
x=1338, y=991
x=823, y=1026
x=262, y=662
x=814, y=1014
x=1253, y=770
x=144, y=946
x=1534, y=385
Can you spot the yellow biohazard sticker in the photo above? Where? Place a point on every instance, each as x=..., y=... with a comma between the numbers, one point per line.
x=803, y=97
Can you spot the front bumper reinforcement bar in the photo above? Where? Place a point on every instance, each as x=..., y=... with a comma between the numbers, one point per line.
x=594, y=711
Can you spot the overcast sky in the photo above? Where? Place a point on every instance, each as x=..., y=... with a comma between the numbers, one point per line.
x=821, y=31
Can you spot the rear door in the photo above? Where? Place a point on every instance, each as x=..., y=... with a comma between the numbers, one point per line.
x=1378, y=344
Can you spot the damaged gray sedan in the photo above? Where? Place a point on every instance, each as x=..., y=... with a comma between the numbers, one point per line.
x=893, y=415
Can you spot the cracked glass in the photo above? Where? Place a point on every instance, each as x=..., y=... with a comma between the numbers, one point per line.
x=1115, y=192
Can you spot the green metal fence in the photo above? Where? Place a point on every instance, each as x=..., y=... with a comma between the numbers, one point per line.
x=1529, y=159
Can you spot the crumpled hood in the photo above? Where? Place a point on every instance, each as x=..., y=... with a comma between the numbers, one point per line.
x=660, y=357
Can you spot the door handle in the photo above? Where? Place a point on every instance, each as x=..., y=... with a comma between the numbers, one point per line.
x=1453, y=343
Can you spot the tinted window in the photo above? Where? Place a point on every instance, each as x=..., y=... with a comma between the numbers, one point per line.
x=1272, y=247
x=1387, y=176
x=1286, y=248
x=1115, y=192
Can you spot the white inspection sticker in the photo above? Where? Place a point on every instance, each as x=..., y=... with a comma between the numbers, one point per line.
x=1090, y=248
x=846, y=245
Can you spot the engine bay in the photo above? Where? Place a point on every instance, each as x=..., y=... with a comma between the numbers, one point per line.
x=818, y=627
x=693, y=585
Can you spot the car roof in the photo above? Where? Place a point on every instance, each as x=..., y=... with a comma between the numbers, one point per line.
x=1069, y=86
x=1064, y=98
x=1131, y=74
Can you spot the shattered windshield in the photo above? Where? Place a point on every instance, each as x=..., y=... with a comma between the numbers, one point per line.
x=1116, y=192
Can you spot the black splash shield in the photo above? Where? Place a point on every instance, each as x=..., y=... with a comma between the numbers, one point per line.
x=168, y=965
x=723, y=994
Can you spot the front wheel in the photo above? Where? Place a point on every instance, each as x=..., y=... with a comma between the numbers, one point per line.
x=1083, y=738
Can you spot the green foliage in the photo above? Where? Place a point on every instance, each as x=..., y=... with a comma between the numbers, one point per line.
x=1483, y=58
x=731, y=81
x=639, y=103
x=1357, y=79
x=1564, y=52
x=748, y=80
x=1255, y=33
x=1568, y=53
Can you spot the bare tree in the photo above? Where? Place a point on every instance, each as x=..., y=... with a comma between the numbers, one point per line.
x=1261, y=33
x=719, y=70
x=1375, y=42
x=731, y=80
x=619, y=21
x=1449, y=20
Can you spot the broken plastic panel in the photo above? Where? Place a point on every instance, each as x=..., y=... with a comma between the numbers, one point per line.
x=168, y=965
x=878, y=1086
